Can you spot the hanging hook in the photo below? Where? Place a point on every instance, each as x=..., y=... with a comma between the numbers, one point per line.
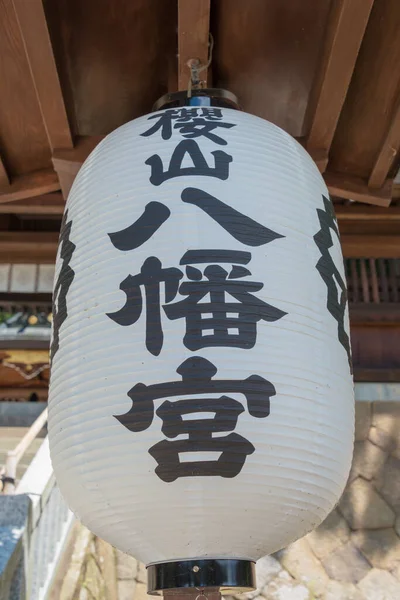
x=196, y=68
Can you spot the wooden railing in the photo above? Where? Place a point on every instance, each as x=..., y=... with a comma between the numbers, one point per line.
x=46, y=526
x=9, y=470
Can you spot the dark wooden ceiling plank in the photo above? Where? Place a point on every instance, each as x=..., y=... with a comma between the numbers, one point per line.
x=48, y=204
x=345, y=30
x=193, y=37
x=373, y=94
x=4, y=179
x=370, y=246
x=32, y=22
x=30, y=185
x=113, y=58
x=355, y=188
x=24, y=144
x=387, y=154
x=266, y=52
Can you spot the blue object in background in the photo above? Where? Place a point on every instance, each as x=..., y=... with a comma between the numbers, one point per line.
x=200, y=101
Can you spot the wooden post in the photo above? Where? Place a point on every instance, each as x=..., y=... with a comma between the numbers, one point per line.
x=193, y=34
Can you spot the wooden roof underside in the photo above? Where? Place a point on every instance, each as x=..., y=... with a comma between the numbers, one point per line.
x=74, y=70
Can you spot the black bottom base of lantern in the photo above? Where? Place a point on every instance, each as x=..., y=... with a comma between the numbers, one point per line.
x=224, y=575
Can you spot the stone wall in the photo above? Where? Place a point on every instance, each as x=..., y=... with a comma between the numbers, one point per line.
x=94, y=570
x=355, y=553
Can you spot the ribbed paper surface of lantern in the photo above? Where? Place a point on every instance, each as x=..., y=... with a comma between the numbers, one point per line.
x=106, y=467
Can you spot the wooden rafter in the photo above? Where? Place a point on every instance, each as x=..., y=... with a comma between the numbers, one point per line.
x=388, y=151
x=346, y=27
x=355, y=188
x=39, y=52
x=30, y=185
x=356, y=212
x=193, y=35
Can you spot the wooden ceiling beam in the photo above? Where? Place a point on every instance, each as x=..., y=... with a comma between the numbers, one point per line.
x=28, y=246
x=345, y=30
x=193, y=37
x=30, y=185
x=372, y=97
x=48, y=204
x=39, y=52
x=357, y=212
x=388, y=152
x=371, y=313
x=355, y=188
x=374, y=375
x=370, y=246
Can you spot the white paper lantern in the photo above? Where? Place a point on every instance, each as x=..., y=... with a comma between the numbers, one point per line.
x=201, y=399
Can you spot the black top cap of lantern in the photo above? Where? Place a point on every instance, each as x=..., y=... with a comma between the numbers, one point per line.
x=227, y=575
x=198, y=97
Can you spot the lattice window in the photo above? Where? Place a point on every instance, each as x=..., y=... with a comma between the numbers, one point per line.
x=373, y=280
